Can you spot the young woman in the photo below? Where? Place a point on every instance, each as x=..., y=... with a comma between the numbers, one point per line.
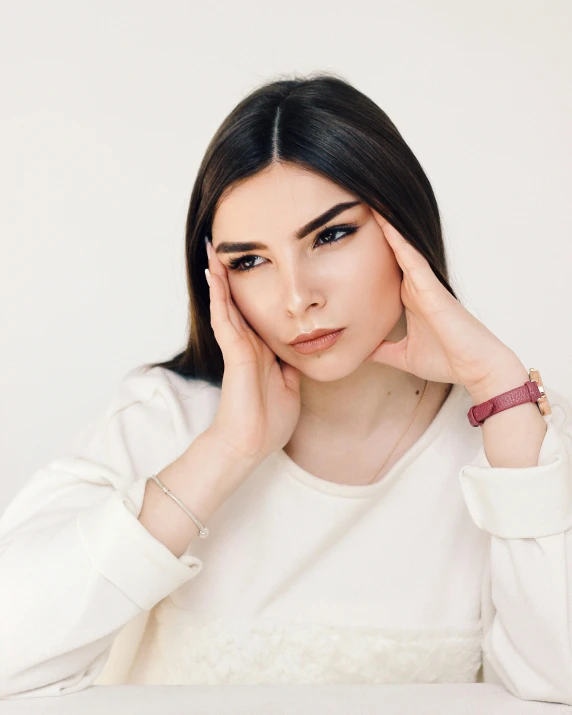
x=272, y=506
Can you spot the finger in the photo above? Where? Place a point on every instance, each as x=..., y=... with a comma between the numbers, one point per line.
x=215, y=264
x=240, y=317
x=217, y=268
x=390, y=353
x=410, y=260
x=224, y=330
x=403, y=249
x=234, y=313
x=382, y=221
x=238, y=320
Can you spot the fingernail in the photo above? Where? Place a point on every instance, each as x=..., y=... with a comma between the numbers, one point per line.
x=208, y=276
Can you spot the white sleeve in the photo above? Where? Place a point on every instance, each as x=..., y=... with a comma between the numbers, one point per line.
x=528, y=514
x=76, y=565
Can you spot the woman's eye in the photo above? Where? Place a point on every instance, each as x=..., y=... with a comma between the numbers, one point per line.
x=240, y=264
x=346, y=230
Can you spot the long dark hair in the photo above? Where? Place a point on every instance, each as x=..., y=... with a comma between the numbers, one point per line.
x=321, y=123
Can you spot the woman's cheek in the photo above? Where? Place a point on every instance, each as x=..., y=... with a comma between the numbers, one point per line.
x=243, y=303
x=251, y=311
x=382, y=274
x=385, y=296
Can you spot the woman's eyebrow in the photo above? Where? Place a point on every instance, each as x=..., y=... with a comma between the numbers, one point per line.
x=226, y=247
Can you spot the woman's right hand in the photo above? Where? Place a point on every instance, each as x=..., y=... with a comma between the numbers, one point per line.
x=260, y=400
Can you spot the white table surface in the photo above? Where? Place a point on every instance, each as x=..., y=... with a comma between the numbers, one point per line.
x=334, y=699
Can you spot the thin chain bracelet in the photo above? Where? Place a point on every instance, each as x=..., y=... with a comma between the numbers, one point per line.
x=203, y=531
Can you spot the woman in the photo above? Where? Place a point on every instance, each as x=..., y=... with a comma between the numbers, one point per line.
x=356, y=527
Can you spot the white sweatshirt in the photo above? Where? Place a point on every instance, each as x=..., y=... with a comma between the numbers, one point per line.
x=443, y=566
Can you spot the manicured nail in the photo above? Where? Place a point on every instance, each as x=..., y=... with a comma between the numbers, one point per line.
x=208, y=276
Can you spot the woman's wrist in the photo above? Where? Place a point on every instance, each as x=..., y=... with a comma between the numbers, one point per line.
x=202, y=478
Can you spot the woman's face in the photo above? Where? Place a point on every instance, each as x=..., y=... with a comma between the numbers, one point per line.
x=331, y=278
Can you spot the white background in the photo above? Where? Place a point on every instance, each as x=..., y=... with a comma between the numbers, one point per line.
x=107, y=109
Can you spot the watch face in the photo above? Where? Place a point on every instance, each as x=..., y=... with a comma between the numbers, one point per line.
x=542, y=402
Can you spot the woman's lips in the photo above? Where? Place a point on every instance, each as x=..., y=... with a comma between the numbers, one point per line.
x=322, y=343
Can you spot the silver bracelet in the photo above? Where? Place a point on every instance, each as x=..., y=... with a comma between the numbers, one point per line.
x=203, y=531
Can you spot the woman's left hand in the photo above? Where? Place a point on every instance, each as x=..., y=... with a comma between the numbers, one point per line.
x=444, y=342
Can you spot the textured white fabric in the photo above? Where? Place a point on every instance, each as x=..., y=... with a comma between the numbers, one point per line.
x=301, y=579
x=185, y=648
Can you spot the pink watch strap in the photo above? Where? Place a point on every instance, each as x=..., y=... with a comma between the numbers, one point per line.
x=528, y=392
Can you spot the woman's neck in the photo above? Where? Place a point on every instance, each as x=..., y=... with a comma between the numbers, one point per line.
x=358, y=404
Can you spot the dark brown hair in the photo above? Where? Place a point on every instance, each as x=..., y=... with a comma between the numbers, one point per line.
x=321, y=123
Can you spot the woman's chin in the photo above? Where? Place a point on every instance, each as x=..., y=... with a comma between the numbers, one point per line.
x=326, y=370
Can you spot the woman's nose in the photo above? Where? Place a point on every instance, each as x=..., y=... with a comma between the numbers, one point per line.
x=298, y=290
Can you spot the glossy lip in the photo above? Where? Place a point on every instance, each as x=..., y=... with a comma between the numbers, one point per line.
x=322, y=343
x=318, y=333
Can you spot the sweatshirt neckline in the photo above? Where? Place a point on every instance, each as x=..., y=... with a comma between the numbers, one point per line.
x=446, y=411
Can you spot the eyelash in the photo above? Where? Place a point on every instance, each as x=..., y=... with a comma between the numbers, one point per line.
x=235, y=264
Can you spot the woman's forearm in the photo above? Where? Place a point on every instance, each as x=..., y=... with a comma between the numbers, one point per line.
x=203, y=478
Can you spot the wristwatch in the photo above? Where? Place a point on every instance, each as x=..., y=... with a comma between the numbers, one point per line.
x=531, y=391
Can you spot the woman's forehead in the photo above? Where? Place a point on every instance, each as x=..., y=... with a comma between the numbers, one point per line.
x=282, y=199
